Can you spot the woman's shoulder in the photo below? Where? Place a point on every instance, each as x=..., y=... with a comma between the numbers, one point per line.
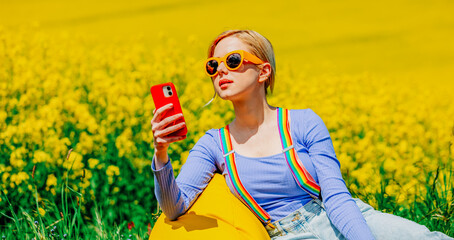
x=213, y=133
x=209, y=136
x=303, y=114
x=304, y=121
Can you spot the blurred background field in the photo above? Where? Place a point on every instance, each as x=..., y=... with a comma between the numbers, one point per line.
x=76, y=75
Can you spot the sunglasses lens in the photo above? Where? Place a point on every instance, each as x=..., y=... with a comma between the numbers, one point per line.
x=233, y=60
x=212, y=67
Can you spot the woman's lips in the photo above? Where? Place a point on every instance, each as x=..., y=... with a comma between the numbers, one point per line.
x=224, y=83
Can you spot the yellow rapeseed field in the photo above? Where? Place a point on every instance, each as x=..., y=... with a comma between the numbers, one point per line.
x=78, y=75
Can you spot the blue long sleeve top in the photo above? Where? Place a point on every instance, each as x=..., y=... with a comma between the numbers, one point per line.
x=268, y=179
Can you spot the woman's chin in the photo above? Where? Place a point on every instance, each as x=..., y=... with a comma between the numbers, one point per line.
x=229, y=94
x=224, y=96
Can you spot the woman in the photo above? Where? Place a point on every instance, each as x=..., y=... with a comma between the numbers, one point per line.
x=280, y=163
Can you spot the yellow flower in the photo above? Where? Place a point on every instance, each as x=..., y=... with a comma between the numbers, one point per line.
x=373, y=202
x=75, y=160
x=92, y=162
x=41, y=211
x=125, y=144
x=16, y=158
x=5, y=176
x=86, y=144
x=392, y=189
x=40, y=156
x=110, y=180
x=390, y=165
x=112, y=171
x=19, y=178
x=51, y=181
x=184, y=156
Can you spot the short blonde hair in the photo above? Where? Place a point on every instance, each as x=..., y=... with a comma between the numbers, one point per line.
x=260, y=47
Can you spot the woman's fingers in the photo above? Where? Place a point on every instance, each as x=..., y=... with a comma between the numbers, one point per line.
x=160, y=133
x=165, y=122
x=168, y=140
x=162, y=128
x=157, y=113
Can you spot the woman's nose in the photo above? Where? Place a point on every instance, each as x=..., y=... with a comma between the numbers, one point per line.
x=222, y=68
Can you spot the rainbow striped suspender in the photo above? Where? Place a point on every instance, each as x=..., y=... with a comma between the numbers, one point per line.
x=299, y=172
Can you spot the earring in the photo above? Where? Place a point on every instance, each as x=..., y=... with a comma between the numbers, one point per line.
x=212, y=99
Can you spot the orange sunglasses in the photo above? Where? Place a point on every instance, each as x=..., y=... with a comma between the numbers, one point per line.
x=233, y=61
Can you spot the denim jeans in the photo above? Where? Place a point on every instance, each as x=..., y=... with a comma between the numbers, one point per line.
x=311, y=222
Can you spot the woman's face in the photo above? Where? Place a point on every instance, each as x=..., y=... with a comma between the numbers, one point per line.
x=240, y=83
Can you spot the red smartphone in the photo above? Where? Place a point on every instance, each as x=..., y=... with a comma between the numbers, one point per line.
x=164, y=94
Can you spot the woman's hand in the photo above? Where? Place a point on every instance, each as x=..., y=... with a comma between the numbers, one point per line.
x=161, y=131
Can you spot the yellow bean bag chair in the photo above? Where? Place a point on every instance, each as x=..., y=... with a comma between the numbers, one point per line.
x=216, y=214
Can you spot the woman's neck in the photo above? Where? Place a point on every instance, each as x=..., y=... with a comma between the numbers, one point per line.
x=252, y=113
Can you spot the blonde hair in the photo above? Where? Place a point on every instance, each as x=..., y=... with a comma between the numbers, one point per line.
x=259, y=46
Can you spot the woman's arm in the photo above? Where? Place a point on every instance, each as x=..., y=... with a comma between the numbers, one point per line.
x=340, y=207
x=176, y=196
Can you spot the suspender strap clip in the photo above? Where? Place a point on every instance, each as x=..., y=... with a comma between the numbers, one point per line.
x=287, y=148
x=225, y=155
x=268, y=223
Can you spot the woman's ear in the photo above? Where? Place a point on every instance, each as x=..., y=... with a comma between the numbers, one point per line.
x=265, y=72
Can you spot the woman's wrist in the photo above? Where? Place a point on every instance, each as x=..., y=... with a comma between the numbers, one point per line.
x=161, y=158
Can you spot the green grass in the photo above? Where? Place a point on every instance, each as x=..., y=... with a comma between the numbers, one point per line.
x=24, y=224
x=66, y=220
